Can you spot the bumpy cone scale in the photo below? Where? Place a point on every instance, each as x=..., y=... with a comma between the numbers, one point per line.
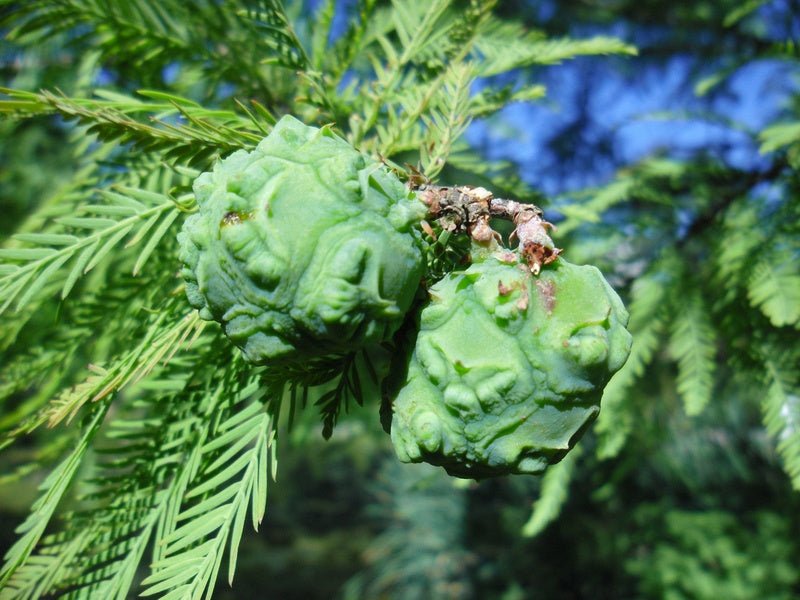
x=302, y=248
x=508, y=368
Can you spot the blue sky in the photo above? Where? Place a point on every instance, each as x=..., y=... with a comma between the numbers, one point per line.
x=630, y=112
x=605, y=112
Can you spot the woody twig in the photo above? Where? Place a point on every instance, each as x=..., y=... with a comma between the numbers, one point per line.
x=469, y=209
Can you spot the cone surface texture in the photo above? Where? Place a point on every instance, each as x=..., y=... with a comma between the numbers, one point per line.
x=508, y=368
x=302, y=248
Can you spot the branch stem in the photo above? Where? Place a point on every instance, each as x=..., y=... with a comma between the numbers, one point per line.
x=469, y=209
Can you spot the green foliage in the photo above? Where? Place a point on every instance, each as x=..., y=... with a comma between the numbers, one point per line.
x=215, y=506
x=706, y=555
x=126, y=213
x=779, y=136
x=646, y=324
x=693, y=346
x=160, y=451
x=781, y=408
x=774, y=287
x=143, y=37
x=555, y=489
x=113, y=118
x=719, y=294
x=530, y=48
x=420, y=551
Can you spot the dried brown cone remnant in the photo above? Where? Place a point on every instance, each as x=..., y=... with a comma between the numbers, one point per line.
x=466, y=208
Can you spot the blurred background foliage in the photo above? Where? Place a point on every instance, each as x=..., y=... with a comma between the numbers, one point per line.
x=676, y=172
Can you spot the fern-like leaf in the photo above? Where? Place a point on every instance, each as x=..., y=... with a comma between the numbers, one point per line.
x=490, y=100
x=163, y=340
x=554, y=491
x=53, y=490
x=417, y=28
x=215, y=509
x=738, y=243
x=144, y=463
x=593, y=203
x=779, y=136
x=693, y=344
x=40, y=572
x=504, y=47
x=589, y=212
x=774, y=287
x=112, y=117
x=648, y=318
x=781, y=409
x=223, y=40
x=97, y=230
x=447, y=120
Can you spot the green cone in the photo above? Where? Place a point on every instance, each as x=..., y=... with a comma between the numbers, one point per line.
x=302, y=248
x=508, y=368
